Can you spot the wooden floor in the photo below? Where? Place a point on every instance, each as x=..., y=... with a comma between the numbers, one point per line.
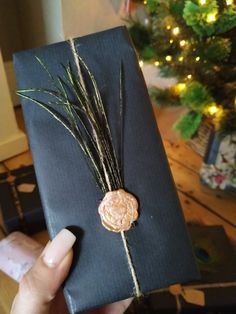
x=200, y=204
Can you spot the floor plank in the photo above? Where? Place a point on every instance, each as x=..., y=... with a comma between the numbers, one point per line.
x=8, y=288
x=24, y=159
x=183, y=154
x=2, y=168
x=220, y=203
x=193, y=212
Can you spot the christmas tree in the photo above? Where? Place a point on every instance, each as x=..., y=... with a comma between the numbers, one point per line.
x=195, y=42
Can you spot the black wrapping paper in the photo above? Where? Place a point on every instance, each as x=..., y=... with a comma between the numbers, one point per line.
x=159, y=243
x=216, y=258
x=21, y=211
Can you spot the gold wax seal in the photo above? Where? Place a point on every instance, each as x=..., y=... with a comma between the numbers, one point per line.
x=118, y=210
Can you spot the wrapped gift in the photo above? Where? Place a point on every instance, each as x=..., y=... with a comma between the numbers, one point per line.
x=218, y=170
x=20, y=202
x=101, y=168
x=215, y=293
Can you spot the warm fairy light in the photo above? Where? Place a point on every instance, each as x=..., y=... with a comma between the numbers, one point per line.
x=171, y=41
x=182, y=43
x=168, y=58
x=141, y=63
x=156, y=63
x=180, y=87
x=211, y=18
x=145, y=2
x=229, y=2
x=181, y=59
x=197, y=59
x=175, y=31
x=213, y=109
x=168, y=27
x=189, y=76
x=202, y=2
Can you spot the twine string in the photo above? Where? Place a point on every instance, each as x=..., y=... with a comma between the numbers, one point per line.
x=200, y=286
x=178, y=304
x=137, y=290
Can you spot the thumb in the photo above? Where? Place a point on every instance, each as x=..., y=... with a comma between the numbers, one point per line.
x=40, y=285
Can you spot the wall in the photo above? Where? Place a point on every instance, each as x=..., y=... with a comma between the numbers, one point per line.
x=30, y=14
x=26, y=24
x=85, y=17
x=10, y=36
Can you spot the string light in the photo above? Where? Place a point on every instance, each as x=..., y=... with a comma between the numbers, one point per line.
x=168, y=27
x=213, y=109
x=202, y=2
x=189, y=76
x=182, y=43
x=171, y=41
x=168, y=58
x=181, y=86
x=181, y=59
x=211, y=18
x=175, y=31
x=141, y=63
x=156, y=63
x=146, y=21
x=197, y=59
x=229, y=2
x=145, y=2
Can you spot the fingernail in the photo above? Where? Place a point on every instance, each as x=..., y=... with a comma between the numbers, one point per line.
x=59, y=247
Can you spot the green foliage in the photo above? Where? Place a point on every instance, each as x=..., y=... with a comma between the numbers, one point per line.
x=148, y=53
x=226, y=21
x=209, y=52
x=163, y=97
x=177, y=7
x=197, y=16
x=140, y=35
x=167, y=71
x=188, y=124
x=196, y=96
x=152, y=5
x=217, y=49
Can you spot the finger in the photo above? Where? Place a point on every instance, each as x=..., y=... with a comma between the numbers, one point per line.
x=39, y=286
x=118, y=307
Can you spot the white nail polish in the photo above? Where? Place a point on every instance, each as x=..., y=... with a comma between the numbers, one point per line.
x=58, y=248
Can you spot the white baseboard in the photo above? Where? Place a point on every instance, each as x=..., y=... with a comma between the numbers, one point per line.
x=11, y=79
x=13, y=145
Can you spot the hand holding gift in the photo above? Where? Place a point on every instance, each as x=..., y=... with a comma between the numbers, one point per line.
x=39, y=291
